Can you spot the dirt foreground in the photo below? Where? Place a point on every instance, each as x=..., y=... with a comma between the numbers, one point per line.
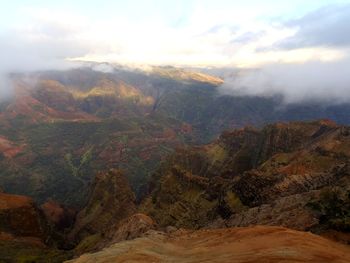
x=249, y=244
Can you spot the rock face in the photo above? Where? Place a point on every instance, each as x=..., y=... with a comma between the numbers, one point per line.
x=132, y=227
x=60, y=216
x=254, y=244
x=20, y=218
x=25, y=234
x=250, y=176
x=290, y=211
x=111, y=200
x=27, y=231
x=127, y=229
x=60, y=124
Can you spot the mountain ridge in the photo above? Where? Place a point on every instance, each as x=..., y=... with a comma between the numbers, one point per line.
x=61, y=124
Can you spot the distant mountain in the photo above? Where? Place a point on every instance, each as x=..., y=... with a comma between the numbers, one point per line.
x=61, y=127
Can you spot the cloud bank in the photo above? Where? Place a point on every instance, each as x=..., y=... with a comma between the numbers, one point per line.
x=39, y=45
x=308, y=82
x=321, y=78
x=302, y=59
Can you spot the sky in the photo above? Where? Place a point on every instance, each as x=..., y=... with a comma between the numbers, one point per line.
x=182, y=32
x=271, y=35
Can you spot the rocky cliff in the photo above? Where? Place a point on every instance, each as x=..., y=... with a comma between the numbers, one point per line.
x=25, y=233
x=294, y=175
x=251, y=176
x=110, y=201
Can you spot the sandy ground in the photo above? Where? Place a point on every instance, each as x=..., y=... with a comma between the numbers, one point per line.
x=250, y=244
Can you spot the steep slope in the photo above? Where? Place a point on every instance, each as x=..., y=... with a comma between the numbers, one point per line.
x=186, y=75
x=255, y=244
x=20, y=217
x=110, y=201
x=40, y=100
x=61, y=127
x=249, y=176
x=25, y=234
x=54, y=233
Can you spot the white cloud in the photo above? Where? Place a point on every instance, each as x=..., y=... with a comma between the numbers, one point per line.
x=225, y=37
x=317, y=81
x=221, y=37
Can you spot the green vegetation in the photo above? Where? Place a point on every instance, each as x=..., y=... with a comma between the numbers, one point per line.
x=233, y=201
x=19, y=252
x=129, y=125
x=61, y=156
x=334, y=208
x=88, y=243
x=84, y=161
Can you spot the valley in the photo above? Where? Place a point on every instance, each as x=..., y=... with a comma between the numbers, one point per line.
x=174, y=131
x=60, y=128
x=100, y=163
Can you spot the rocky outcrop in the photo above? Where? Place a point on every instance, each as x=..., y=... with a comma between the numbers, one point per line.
x=111, y=200
x=60, y=216
x=254, y=244
x=181, y=200
x=21, y=218
x=25, y=234
x=127, y=229
x=251, y=176
x=291, y=211
x=132, y=227
x=109, y=216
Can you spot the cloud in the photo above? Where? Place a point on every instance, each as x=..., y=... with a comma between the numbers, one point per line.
x=288, y=54
x=314, y=81
x=103, y=67
x=204, y=39
x=43, y=43
x=5, y=88
x=312, y=64
x=327, y=26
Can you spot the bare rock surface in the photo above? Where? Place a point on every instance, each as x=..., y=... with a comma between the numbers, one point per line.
x=252, y=244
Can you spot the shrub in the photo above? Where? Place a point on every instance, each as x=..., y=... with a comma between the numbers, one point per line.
x=334, y=208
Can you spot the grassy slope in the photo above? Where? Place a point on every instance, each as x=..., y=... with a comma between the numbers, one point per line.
x=60, y=158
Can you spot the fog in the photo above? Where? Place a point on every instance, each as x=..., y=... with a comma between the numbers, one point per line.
x=323, y=77
x=20, y=55
x=49, y=42
x=308, y=82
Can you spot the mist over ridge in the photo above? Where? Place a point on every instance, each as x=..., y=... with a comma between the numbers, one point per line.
x=302, y=57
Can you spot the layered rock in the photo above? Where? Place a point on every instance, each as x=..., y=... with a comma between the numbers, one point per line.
x=111, y=200
x=255, y=244
x=132, y=227
x=251, y=176
x=21, y=218
x=60, y=216
x=291, y=211
x=25, y=234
